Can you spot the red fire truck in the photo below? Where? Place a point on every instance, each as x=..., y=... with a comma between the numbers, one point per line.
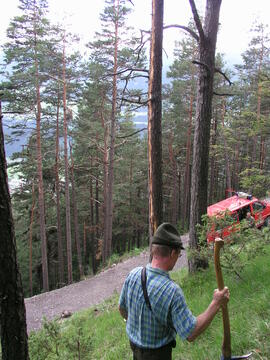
x=237, y=206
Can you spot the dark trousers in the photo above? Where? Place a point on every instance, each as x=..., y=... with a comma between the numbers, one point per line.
x=163, y=353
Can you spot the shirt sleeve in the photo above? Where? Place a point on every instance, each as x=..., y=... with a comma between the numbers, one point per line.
x=122, y=299
x=183, y=320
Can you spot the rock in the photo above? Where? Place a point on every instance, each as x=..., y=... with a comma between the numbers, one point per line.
x=66, y=314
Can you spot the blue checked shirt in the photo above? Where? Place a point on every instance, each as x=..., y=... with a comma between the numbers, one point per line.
x=170, y=314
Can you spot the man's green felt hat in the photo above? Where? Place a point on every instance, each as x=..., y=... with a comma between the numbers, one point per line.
x=167, y=234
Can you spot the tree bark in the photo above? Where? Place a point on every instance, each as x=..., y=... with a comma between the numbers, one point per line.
x=30, y=240
x=207, y=48
x=75, y=217
x=67, y=195
x=213, y=165
x=154, y=119
x=105, y=183
x=45, y=276
x=58, y=209
x=12, y=314
x=112, y=140
x=186, y=194
x=174, y=202
x=226, y=153
x=92, y=226
x=97, y=224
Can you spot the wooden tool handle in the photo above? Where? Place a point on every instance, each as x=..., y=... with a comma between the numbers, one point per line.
x=226, y=347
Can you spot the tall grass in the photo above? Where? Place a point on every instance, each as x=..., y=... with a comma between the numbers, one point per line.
x=99, y=333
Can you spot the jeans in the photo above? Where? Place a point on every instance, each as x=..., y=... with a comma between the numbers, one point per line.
x=163, y=353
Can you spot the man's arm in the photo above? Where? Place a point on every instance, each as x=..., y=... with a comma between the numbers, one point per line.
x=123, y=312
x=220, y=298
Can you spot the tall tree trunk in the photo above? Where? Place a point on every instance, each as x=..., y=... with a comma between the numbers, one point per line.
x=30, y=239
x=212, y=189
x=262, y=152
x=112, y=140
x=96, y=222
x=154, y=119
x=12, y=314
x=45, y=275
x=105, y=183
x=207, y=48
x=188, y=158
x=92, y=227
x=259, y=99
x=131, y=200
x=235, y=183
x=226, y=153
x=174, y=203
x=75, y=217
x=58, y=209
x=67, y=196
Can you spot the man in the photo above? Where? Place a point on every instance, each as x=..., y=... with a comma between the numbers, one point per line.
x=154, y=318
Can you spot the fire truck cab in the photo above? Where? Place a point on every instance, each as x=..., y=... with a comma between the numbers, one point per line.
x=238, y=206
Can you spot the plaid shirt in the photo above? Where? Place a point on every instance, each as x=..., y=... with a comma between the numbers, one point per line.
x=170, y=314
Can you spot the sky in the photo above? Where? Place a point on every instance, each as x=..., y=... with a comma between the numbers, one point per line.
x=82, y=18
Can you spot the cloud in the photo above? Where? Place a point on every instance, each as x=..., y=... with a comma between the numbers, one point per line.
x=139, y=123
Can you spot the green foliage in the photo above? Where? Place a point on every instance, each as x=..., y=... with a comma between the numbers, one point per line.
x=256, y=181
x=67, y=341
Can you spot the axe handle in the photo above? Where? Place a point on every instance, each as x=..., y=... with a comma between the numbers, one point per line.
x=226, y=347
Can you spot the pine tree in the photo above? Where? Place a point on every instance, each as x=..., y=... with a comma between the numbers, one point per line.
x=25, y=50
x=179, y=114
x=116, y=52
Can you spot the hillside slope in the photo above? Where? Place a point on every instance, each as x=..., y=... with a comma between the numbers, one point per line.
x=86, y=293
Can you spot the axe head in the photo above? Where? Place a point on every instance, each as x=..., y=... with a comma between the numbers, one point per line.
x=236, y=357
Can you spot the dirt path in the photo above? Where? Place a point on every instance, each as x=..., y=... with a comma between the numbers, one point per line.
x=86, y=293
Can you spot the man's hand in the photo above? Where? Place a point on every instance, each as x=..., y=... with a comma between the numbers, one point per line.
x=123, y=313
x=221, y=297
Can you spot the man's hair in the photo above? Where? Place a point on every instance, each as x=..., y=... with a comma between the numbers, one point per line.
x=162, y=250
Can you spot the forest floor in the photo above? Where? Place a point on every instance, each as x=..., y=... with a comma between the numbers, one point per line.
x=86, y=293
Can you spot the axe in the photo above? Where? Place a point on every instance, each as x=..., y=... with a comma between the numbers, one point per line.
x=226, y=346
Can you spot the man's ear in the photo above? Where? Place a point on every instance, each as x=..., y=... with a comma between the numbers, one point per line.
x=173, y=252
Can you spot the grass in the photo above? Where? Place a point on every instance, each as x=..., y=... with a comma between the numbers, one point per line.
x=99, y=333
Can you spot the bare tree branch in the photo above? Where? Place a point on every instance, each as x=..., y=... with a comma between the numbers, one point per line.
x=136, y=101
x=191, y=32
x=13, y=112
x=125, y=70
x=129, y=135
x=197, y=19
x=223, y=94
x=224, y=75
x=201, y=64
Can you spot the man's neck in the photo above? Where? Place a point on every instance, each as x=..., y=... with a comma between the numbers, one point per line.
x=157, y=263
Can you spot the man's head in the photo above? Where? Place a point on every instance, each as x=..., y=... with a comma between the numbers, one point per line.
x=167, y=235
x=166, y=247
